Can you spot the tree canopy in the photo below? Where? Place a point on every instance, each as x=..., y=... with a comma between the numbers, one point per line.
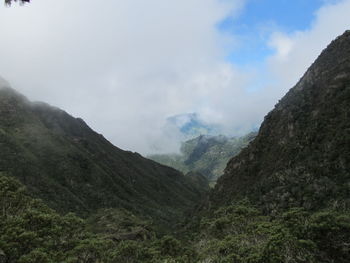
x=9, y=2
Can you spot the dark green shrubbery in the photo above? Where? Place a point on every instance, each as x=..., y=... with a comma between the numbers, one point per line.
x=240, y=233
x=31, y=232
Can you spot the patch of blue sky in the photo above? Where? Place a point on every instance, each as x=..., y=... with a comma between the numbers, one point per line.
x=258, y=19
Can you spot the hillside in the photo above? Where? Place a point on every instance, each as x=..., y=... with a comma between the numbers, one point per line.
x=74, y=169
x=205, y=154
x=286, y=197
x=301, y=155
x=30, y=232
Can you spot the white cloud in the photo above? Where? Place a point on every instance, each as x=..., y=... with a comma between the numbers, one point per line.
x=296, y=51
x=283, y=45
x=125, y=66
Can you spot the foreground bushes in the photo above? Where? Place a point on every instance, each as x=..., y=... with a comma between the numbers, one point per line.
x=30, y=232
x=240, y=233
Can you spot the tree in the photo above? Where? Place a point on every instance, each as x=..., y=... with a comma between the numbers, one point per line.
x=9, y=2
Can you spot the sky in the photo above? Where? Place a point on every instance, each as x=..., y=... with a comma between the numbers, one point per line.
x=125, y=67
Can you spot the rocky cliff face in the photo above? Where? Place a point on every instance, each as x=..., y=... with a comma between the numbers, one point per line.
x=301, y=156
x=64, y=162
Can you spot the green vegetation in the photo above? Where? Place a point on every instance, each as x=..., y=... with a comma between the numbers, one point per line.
x=301, y=156
x=241, y=233
x=32, y=232
x=205, y=154
x=74, y=169
x=9, y=2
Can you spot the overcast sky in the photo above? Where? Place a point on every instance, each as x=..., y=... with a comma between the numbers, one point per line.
x=124, y=66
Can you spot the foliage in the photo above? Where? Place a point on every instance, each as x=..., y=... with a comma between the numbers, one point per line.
x=9, y=2
x=240, y=233
x=73, y=169
x=301, y=156
x=31, y=232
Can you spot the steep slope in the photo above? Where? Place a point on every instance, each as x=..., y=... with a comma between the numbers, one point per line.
x=30, y=232
x=64, y=162
x=205, y=154
x=301, y=156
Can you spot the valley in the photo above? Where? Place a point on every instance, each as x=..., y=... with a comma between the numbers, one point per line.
x=282, y=194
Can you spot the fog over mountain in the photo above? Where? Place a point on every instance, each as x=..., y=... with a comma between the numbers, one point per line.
x=127, y=66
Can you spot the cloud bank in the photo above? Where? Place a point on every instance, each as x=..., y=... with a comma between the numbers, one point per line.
x=126, y=66
x=296, y=51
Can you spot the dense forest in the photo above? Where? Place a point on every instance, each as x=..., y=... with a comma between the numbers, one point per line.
x=32, y=232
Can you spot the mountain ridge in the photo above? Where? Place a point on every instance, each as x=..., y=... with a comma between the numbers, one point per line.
x=63, y=161
x=302, y=142
x=284, y=198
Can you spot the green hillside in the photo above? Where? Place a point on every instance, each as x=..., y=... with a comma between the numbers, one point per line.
x=286, y=197
x=205, y=154
x=301, y=156
x=73, y=169
x=30, y=232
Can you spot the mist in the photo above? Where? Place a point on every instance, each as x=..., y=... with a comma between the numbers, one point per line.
x=126, y=66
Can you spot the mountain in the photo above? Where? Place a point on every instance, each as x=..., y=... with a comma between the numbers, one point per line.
x=190, y=125
x=205, y=154
x=283, y=199
x=301, y=155
x=30, y=232
x=286, y=196
x=73, y=169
